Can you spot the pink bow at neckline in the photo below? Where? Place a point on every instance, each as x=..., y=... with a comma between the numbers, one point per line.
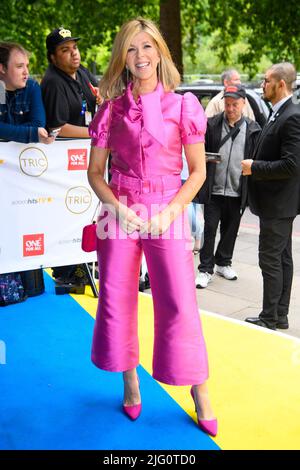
x=148, y=108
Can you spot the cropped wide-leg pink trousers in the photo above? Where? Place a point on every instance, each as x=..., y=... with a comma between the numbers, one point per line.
x=179, y=354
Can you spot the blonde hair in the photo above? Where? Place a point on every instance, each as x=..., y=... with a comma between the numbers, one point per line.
x=114, y=79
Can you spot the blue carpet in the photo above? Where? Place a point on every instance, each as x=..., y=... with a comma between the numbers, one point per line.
x=52, y=397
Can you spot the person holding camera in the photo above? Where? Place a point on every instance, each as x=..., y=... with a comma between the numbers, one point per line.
x=225, y=191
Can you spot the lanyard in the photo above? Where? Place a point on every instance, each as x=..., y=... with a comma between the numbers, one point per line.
x=83, y=106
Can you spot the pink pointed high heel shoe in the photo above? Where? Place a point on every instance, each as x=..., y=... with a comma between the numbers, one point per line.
x=210, y=426
x=133, y=411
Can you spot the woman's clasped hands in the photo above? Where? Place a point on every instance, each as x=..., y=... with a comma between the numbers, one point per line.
x=128, y=219
x=156, y=225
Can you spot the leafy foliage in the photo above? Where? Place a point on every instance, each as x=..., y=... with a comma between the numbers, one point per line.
x=95, y=21
x=263, y=28
x=272, y=29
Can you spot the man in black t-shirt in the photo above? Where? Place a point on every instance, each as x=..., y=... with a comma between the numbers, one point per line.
x=70, y=95
x=69, y=90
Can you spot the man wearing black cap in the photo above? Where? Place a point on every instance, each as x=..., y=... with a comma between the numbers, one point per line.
x=216, y=104
x=69, y=90
x=224, y=193
x=69, y=93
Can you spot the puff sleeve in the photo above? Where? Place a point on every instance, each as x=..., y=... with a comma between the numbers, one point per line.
x=99, y=127
x=193, y=120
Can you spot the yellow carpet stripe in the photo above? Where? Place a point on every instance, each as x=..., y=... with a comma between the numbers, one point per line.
x=254, y=379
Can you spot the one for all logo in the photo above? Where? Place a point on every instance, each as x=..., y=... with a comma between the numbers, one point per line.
x=33, y=244
x=77, y=159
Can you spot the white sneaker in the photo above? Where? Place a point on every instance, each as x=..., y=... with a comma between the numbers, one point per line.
x=227, y=272
x=202, y=280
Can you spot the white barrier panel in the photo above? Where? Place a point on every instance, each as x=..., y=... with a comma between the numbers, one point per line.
x=45, y=201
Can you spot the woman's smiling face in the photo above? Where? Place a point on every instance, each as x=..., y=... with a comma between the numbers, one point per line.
x=143, y=57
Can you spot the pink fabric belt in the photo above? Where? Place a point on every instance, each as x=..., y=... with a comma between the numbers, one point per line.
x=156, y=183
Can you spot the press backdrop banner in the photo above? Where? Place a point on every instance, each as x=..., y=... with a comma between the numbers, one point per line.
x=45, y=201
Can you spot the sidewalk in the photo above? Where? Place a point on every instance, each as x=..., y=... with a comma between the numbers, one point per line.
x=243, y=298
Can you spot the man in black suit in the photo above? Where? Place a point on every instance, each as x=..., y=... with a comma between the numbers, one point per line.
x=274, y=194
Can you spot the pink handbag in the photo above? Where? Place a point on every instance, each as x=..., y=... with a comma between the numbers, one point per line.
x=89, y=235
x=89, y=238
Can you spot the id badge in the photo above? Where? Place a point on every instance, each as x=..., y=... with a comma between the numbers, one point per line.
x=88, y=117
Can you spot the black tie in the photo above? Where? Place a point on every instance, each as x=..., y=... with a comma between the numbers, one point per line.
x=270, y=114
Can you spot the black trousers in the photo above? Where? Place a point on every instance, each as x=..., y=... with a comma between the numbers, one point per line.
x=276, y=263
x=226, y=210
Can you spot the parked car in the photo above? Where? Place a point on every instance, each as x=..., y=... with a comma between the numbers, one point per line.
x=206, y=92
x=296, y=93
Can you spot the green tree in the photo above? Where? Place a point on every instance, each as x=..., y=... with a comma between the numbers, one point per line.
x=268, y=28
x=95, y=21
x=273, y=29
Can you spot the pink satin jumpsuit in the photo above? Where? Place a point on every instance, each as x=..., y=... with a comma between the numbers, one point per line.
x=145, y=139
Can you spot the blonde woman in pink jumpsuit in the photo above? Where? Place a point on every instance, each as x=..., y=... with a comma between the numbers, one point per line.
x=143, y=124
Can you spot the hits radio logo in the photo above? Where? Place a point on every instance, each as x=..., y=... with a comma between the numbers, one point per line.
x=77, y=159
x=33, y=244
